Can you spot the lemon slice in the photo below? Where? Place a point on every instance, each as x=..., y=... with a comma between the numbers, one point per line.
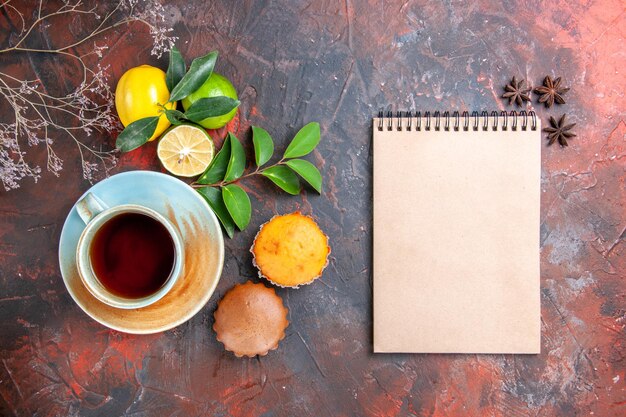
x=186, y=150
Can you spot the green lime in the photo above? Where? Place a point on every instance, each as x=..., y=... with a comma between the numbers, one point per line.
x=216, y=85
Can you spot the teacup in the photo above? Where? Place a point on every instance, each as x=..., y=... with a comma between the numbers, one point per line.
x=128, y=256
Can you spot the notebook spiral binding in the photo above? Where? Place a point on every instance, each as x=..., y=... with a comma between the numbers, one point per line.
x=434, y=120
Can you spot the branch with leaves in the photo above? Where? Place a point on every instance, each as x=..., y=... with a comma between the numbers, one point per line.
x=229, y=201
x=37, y=117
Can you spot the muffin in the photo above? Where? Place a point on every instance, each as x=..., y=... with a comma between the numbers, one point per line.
x=290, y=250
x=250, y=320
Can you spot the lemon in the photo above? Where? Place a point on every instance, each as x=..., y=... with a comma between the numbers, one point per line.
x=185, y=150
x=138, y=94
x=215, y=85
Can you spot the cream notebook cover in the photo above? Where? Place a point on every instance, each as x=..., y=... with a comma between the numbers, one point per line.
x=456, y=234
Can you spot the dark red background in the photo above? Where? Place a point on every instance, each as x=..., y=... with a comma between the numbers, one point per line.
x=338, y=63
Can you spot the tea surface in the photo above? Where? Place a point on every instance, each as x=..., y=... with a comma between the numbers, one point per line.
x=132, y=255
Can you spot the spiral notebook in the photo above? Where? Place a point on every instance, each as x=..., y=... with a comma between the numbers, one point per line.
x=456, y=232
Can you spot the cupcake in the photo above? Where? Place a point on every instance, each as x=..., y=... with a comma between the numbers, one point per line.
x=250, y=320
x=290, y=250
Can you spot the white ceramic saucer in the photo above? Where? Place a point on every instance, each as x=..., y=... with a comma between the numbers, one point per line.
x=204, y=251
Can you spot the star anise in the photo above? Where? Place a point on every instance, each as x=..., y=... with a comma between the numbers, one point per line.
x=551, y=91
x=517, y=92
x=559, y=131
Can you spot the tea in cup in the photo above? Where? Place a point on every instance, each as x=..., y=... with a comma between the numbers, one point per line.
x=129, y=256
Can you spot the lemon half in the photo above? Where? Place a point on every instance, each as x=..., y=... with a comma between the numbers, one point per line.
x=186, y=150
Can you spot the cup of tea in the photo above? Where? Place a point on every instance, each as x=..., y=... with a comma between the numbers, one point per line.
x=128, y=256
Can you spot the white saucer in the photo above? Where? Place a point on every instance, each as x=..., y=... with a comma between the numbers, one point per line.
x=204, y=251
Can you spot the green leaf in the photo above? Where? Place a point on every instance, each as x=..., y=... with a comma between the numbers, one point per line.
x=176, y=69
x=213, y=196
x=238, y=204
x=174, y=116
x=200, y=71
x=217, y=168
x=284, y=177
x=210, y=107
x=237, y=162
x=263, y=145
x=308, y=172
x=136, y=134
x=304, y=142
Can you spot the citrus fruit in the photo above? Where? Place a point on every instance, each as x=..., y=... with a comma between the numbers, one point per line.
x=185, y=150
x=216, y=85
x=138, y=94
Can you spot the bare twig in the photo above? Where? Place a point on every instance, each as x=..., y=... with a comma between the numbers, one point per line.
x=39, y=117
